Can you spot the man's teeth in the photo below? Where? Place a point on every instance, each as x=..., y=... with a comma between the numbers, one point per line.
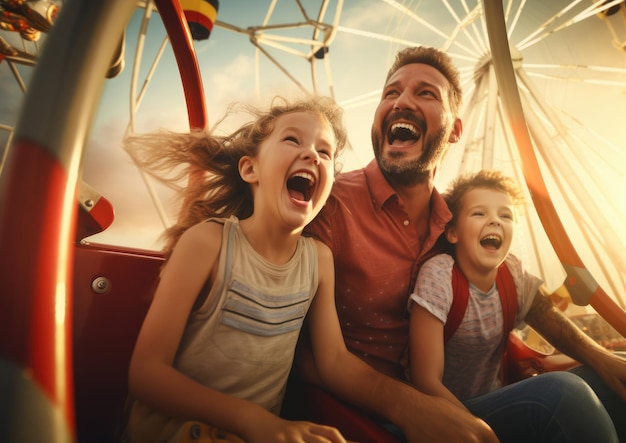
x=403, y=132
x=406, y=126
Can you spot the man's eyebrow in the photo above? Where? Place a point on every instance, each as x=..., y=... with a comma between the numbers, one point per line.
x=420, y=83
x=391, y=84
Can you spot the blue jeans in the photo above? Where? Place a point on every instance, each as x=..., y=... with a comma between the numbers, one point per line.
x=555, y=407
x=552, y=407
x=615, y=406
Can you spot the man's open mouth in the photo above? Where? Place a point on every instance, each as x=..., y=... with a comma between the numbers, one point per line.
x=300, y=186
x=403, y=132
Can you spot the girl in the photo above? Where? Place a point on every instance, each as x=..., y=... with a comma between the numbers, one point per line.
x=217, y=343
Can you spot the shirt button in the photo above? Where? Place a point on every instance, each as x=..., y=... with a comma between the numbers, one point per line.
x=406, y=223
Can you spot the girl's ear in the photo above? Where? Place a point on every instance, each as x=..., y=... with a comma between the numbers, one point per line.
x=451, y=234
x=247, y=170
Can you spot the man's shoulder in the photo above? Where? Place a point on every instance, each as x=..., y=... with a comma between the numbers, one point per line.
x=346, y=198
x=348, y=186
x=350, y=179
x=344, y=190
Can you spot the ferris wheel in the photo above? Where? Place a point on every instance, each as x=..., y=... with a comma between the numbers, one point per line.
x=551, y=122
x=532, y=108
x=569, y=63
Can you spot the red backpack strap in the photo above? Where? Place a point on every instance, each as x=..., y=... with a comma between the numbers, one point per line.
x=460, y=296
x=460, y=291
x=508, y=299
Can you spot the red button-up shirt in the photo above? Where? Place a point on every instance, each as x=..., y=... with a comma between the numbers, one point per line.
x=377, y=255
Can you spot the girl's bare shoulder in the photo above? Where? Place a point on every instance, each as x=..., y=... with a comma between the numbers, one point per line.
x=205, y=230
x=323, y=251
x=202, y=238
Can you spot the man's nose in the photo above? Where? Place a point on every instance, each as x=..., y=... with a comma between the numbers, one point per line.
x=404, y=101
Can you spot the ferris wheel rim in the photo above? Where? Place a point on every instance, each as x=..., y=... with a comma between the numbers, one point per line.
x=579, y=279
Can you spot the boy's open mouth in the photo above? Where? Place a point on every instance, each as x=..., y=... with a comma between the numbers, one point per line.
x=491, y=241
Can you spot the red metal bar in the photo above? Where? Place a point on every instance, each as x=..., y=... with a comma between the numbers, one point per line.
x=34, y=324
x=177, y=29
x=37, y=220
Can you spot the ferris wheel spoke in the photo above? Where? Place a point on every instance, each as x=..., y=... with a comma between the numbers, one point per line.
x=545, y=31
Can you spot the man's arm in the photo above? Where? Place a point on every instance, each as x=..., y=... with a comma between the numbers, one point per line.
x=564, y=335
x=421, y=417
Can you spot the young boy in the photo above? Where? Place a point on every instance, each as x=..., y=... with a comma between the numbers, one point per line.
x=465, y=362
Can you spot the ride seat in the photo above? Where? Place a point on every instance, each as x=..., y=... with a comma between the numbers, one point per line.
x=112, y=291
x=304, y=401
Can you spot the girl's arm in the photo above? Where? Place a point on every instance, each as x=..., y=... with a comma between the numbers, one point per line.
x=421, y=417
x=426, y=354
x=153, y=380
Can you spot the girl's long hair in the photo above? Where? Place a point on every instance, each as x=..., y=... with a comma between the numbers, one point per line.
x=219, y=191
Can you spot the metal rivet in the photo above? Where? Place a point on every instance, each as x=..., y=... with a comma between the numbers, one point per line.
x=100, y=285
x=195, y=432
x=89, y=203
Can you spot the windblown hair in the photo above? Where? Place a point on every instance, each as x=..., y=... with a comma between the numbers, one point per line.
x=438, y=60
x=218, y=190
x=485, y=179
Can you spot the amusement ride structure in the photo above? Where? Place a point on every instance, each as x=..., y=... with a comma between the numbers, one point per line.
x=71, y=303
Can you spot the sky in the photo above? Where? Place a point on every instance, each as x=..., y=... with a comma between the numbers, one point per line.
x=590, y=98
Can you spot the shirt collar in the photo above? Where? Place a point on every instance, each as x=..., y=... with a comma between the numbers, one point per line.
x=440, y=214
x=379, y=188
x=381, y=191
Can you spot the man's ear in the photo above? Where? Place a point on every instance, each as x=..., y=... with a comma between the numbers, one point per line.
x=247, y=170
x=457, y=131
x=451, y=235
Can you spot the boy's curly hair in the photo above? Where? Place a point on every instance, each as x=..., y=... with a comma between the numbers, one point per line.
x=485, y=178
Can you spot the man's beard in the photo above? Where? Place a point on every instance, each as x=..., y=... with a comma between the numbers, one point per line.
x=410, y=172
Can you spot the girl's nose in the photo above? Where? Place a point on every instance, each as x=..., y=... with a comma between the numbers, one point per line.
x=310, y=153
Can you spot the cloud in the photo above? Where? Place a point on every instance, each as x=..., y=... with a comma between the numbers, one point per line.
x=366, y=15
x=234, y=83
x=108, y=169
x=231, y=82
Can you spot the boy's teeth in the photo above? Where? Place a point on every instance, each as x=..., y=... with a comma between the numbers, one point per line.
x=491, y=240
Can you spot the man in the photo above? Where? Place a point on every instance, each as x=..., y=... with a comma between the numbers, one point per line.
x=383, y=221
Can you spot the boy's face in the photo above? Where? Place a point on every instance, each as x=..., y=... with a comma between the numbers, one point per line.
x=484, y=229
